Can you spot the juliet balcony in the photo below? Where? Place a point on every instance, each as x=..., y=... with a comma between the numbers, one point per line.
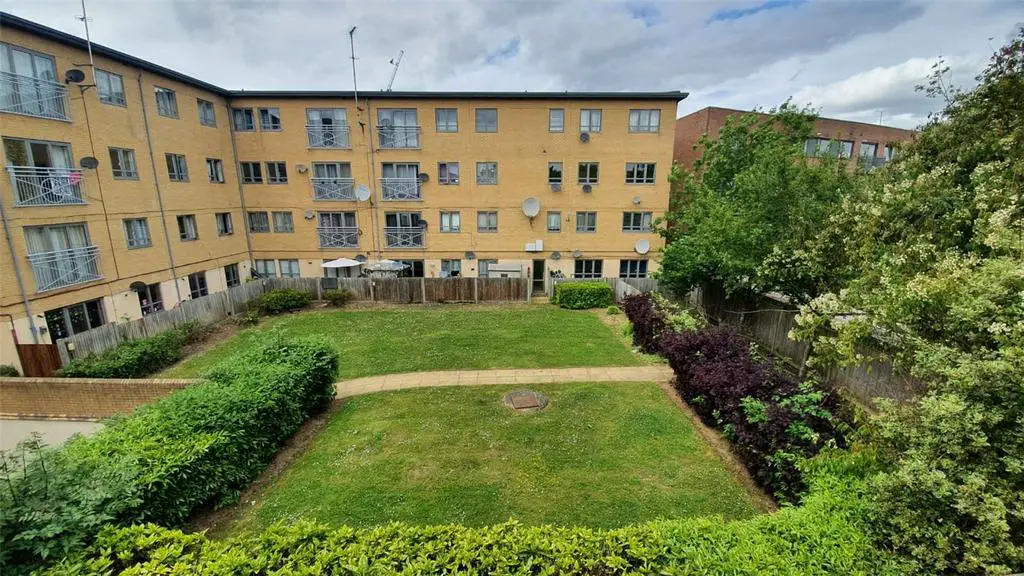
x=33, y=97
x=35, y=186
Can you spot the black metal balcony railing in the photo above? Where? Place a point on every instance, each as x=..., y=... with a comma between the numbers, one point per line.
x=401, y=188
x=33, y=97
x=60, y=268
x=403, y=237
x=338, y=236
x=333, y=189
x=46, y=186
x=398, y=136
x=328, y=136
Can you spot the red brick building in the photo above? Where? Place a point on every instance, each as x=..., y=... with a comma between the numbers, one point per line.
x=867, y=144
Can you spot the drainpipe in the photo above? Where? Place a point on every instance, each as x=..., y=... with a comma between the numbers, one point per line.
x=241, y=193
x=156, y=185
x=374, y=200
x=17, y=275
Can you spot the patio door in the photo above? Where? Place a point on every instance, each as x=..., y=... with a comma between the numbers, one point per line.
x=538, y=276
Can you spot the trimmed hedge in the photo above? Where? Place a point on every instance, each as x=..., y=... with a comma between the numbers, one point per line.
x=193, y=449
x=338, y=297
x=824, y=537
x=135, y=359
x=583, y=295
x=283, y=300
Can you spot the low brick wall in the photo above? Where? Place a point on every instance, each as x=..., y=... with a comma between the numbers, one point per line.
x=80, y=398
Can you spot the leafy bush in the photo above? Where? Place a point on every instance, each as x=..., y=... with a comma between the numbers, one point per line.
x=652, y=314
x=338, y=297
x=8, y=370
x=613, y=310
x=248, y=319
x=583, y=295
x=136, y=359
x=283, y=300
x=193, y=449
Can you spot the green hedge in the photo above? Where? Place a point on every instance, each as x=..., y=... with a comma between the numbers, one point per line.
x=283, y=300
x=582, y=295
x=823, y=537
x=136, y=359
x=193, y=449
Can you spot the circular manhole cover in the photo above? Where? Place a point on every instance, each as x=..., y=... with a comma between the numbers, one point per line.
x=525, y=401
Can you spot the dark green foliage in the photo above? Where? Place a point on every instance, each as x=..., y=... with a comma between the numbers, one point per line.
x=283, y=300
x=138, y=358
x=195, y=448
x=613, y=310
x=9, y=371
x=248, y=319
x=338, y=297
x=583, y=295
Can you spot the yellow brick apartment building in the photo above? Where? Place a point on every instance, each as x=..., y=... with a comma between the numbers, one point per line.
x=130, y=188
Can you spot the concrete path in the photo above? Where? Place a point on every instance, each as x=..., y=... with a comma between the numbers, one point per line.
x=657, y=373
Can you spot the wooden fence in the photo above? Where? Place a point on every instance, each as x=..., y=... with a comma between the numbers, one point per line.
x=621, y=287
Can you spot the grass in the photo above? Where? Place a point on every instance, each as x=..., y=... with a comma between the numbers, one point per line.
x=600, y=455
x=413, y=339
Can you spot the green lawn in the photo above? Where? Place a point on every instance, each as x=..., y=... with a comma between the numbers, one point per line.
x=600, y=455
x=373, y=342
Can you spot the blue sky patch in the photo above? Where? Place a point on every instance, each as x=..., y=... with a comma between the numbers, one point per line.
x=646, y=13
x=737, y=13
x=506, y=52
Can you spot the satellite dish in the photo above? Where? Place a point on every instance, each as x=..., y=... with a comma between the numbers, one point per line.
x=636, y=200
x=137, y=286
x=309, y=215
x=360, y=258
x=88, y=162
x=424, y=177
x=362, y=192
x=556, y=255
x=73, y=76
x=577, y=253
x=470, y=255
x=302, y=168
x=556, y=186
x=587, y=188
x=531, y=207
x=642, y=246
x=584, y=137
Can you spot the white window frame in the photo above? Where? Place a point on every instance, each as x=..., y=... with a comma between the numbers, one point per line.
x=561, y=173
x=590, y=120
x=451, y=222
x=234, y=278
x=215, y=170
x=284, y=223
x=225, y=225
x=641, y=173
x=447, y=179
x=446, y=125
x=487, y=221
x=637, y=221
x=258, y=222
x=106, y=90
x=588, y=179
x=207, y=113
x=556, y=120
x=645, y=121
x=126, y=160
x=277, y=172
x=484, y=125
x=243, y=120
x=265, y=267
x=486, y=181
x=633, y=268
x=451, y=265
x=250, y=172
x=554, y=217
x=168, y=108
x=132, y=238
x=292, y=264
x=177, y=167
x=269, y=113
x=188, y=228
x=197, y=285
x=586, y=222
x=588, y=268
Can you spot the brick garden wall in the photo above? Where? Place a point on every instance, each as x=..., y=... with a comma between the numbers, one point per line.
x=84, y=398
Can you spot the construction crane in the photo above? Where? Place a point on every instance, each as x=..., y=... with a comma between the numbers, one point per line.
x=395, y=62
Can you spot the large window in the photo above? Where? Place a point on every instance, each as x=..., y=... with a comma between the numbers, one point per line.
x=74, y=319
x=149, y=299
x=586, y=221
x=451, y=222
x=487, y=221
x=447, y=173
x=259, y=222
x=820, y=147
x=327, y=127
x=289, y=268
x=42, y=96
x=197, y=285
x=277, y=173
x=224, y=225
x=446, y=119
x=242, y=120
x=639, y=173
x=136, y=233
x=251, y=172
x=166, y=102
x=122, y=164
x=590, y=120
x=588, y=173
x=556, y=120
x=485, y=267
x=632, y=268
x=270, y=119
x=486, y=173
x=215, y=170
x=486, y=119
x=110, y=88
x=187, y=229
x=588, y=268
x=398, y=128
x=231, y=277
x=413, y=269
x=554, y=221
x=207, y=114
x=636, y=221
x=266, y=268
x=61, y=255
x=644, y=120
x=283, y=222
x=177, y=168
x=451, y=268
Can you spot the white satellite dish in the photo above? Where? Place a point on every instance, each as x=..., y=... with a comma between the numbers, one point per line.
x=531, y=207
x=362, y=193
x=642, y=246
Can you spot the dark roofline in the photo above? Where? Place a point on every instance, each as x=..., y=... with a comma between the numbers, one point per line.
x=840, y=120
x=31, y=27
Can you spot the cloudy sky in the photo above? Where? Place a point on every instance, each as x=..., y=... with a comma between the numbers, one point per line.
x=858, y=60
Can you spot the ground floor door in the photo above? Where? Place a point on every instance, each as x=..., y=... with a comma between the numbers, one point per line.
x=39, y=360
x=538, y=276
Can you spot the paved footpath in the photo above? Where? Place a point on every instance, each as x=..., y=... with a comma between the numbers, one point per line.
x=657, y=373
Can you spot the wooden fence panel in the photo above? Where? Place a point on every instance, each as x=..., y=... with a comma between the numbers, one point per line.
x=449, y=289
x=503, y=289
x=397, y=290
x=359, y=287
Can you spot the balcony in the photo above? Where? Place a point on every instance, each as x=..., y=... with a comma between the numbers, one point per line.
x=61, y=268
x=334, y=189
x=398, y=136
x=401, y=188
x=338, y=237
x=33, y=97
x=328, y=136
x=403, y=237
x=46, y=186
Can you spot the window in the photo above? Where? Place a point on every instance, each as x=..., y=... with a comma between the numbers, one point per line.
x=149, y=299
x=74, y=319
x=207, y=115
x=283, y=222
x=270, y=119
x=398, y=128
x=177, y=168
x=277, y=173
x=632, y=268
x=486, y=221
x=231, y=277
x=485, y=267
x=819, y=147
x=636, y=221
x=289, y=268
x=447, y=173
x=590, y=120
x=252, y=172
x=586, y=221
x=197, y=285
x=639, y=173
x=110, y=88
x=451, y=268
x=554, y=172
x=136, y=233
x=451, y=222
x=588, y=173
x=413, y=269
x=215, y=170
x=265, y=268
x=187, y=230
x=446, y=119
x=24, y=99
x=554, y=221
x=225, y=227
x=890, y=152
x=166, y=102
x=122, y=164
x=242, y=120
x=486, y=119
x=400, y=181
x=556, y=120
x=644, y=120
x=259, y=222
x=868, y=150
x=588, y=268
x=61, y=255
x=486, y=173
